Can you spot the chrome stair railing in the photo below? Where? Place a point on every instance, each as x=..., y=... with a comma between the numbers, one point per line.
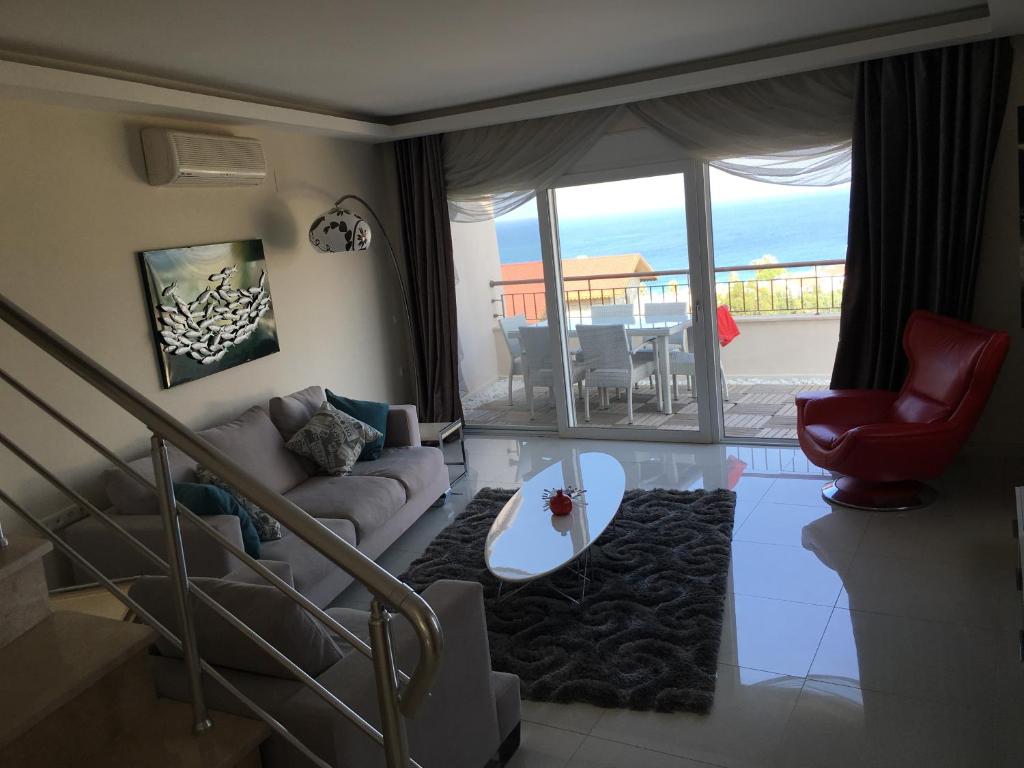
x=399, y=695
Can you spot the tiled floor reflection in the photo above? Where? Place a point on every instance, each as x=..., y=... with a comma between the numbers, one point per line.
x=850, y=639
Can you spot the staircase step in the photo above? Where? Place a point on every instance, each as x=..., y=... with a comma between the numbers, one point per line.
x=60, y=659
x=93, y=600
x=165, y=739
x=23, y=595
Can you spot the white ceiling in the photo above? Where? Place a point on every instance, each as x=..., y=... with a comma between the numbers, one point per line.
x=379, y=59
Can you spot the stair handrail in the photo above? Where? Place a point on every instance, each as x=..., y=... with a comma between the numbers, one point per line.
x=389, y=592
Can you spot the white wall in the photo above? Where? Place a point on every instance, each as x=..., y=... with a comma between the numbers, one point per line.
x=476, y=265
x=997, y=302
x=795, y=345
x=74, y=211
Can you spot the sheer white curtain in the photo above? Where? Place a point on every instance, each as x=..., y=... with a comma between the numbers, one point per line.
x=788, y=130
x=492, y=170
x=795, y=129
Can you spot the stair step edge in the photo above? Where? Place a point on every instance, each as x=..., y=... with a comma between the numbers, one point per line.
x=167, y=740
x=19, y=552
x=58, y=659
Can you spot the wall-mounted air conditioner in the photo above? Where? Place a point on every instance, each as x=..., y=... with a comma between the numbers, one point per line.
x=202, y=160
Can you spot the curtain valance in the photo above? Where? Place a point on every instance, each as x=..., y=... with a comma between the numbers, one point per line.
x=795, y=129
x=492, y=170
x=790, y=130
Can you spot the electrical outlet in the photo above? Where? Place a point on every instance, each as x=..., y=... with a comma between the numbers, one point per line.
x=62, y=519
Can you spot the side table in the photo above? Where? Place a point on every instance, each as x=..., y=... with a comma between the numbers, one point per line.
x=437, y=432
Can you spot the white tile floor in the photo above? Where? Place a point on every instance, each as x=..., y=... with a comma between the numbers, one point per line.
x=850, y=639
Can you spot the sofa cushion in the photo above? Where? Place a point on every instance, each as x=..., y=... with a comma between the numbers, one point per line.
x=369, y=412
x=209, y=500
x=253, y=442
x=267, y=527
x=246, y=575
x=415, y=468
x=333, y=439
x=267, y=611
x=355, y=621
x=309, y=568
x=291, y=412
x=130, y=497
x=368, y=502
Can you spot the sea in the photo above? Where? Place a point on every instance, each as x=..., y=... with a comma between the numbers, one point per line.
x=790, y=228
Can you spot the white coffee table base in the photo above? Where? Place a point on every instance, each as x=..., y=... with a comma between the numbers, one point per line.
x=580, y=566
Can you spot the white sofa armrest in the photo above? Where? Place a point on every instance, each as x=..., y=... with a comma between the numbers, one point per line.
x=456, y=727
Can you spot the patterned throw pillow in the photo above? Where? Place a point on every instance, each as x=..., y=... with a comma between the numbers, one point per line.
x=332, y=439
x=267, y=527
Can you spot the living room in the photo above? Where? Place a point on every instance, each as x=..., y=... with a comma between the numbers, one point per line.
x=313, y=384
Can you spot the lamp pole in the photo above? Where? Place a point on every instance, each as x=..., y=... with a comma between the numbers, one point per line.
x=401, y=282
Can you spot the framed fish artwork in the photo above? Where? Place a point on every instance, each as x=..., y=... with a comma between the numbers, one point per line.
x=210, y=307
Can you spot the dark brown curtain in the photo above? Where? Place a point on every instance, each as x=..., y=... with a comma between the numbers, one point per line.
x=925, y=132
x=427, y=244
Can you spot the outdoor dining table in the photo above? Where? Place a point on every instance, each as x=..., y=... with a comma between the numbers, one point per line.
x=657, y=332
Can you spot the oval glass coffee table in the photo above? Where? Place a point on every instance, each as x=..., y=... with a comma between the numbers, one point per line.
x=526, y=542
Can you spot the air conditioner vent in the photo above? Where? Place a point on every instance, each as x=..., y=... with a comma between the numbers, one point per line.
x=198, y=159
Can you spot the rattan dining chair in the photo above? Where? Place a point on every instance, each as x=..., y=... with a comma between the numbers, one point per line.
x=610, y=362
x=603, y=314
x=510, y=330
x=669, y=311
x=538, y=364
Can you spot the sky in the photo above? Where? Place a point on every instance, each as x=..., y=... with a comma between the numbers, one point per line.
x=653, y=194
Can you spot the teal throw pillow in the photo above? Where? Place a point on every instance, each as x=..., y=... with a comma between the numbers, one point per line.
x=207, y=500
x=368, y=412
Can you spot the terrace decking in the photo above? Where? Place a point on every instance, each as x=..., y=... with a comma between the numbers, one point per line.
x=755, y=409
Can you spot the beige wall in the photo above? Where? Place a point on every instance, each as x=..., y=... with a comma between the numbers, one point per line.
x=476, y=265
x=997, y=302
x=75, y=209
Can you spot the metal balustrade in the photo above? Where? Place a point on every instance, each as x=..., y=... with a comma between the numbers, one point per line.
x=399, y=695
x=748, y=290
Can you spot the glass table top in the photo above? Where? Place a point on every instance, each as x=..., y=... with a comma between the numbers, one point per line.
x=526, y=541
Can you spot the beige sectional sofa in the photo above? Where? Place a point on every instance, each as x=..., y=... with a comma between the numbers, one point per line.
x=369, y=508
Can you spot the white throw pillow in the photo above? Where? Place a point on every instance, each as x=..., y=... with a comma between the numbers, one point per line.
x=332, y=439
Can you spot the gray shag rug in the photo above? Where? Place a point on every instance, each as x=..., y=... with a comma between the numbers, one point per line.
x=647, y=634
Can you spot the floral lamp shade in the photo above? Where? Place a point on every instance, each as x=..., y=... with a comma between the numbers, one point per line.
x=339, y=230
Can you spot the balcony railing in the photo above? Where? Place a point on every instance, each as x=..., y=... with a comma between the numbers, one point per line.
x=747, y=289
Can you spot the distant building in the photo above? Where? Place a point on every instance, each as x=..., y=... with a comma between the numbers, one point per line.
x=584, y=286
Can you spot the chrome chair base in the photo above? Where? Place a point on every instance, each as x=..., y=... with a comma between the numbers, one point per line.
x=878, y=497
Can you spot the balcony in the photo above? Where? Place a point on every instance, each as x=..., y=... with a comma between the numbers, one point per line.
x=787, y=314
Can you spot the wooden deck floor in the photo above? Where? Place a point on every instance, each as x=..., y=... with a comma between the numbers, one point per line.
x=757, y=410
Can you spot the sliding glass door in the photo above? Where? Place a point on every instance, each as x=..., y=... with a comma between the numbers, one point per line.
x=622, y=352
x=686, y=306
x=779, y=254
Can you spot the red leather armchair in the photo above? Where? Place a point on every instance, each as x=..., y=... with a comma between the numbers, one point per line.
x=882, y=443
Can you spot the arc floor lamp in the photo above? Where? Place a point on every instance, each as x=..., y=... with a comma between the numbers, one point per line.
x=340, y=230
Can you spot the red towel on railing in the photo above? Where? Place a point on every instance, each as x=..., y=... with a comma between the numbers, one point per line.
x=727, y=328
